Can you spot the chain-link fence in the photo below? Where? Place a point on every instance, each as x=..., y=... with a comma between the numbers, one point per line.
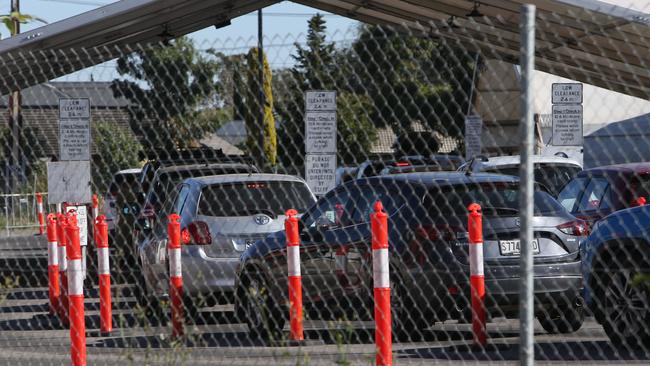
x=230, y=138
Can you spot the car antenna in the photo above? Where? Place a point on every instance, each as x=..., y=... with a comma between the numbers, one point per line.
x=470, y=167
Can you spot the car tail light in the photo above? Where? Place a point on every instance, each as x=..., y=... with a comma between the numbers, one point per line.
x=640, y=201
x=196, y=233
x=575, y=228
x=402, y=163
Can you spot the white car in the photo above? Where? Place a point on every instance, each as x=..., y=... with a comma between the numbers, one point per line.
x=553, y=172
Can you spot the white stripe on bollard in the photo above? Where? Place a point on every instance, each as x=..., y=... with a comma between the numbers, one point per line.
x=380, y=270
x=63, y=261
x=75, y=278
x=102, y=256
x=175, y=263
x=476, y=259
x=293, y=260
x=52, y=253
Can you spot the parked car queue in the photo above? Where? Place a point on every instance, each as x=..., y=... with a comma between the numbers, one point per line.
x=328, y=231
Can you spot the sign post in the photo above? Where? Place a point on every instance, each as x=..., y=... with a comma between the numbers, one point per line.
x=320, y=140
x=567, y=114
x=473, y=131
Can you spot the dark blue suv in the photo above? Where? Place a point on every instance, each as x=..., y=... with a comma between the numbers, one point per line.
x=615, y=258
x=428, y=250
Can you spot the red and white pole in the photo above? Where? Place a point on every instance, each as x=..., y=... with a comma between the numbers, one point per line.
x=53, y=263
x=76, y=294
x=175, y=275
x=381, y=279
x=40, y=213
x=295, y=279
x=95, y=206
x=477, y=276
x=105, y=306
x=61, y=225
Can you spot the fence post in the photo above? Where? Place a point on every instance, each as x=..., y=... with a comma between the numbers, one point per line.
x=381, y=279
x=175, y=275
x=40, y=213
x=53, y=263
x=526, y=310
x=105, y=306
x=61, y=225
x=76, y=294
x=295, y=279
x=477, y=278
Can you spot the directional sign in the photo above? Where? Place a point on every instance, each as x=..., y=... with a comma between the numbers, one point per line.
x=74, y=129
x=320, y=172
x=68, y=181
x=566, y=93
x=320, y=132
x=473, y=131
x=320, y=100
x=567, y=125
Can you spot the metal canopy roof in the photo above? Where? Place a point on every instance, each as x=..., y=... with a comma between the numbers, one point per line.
x=585, y=40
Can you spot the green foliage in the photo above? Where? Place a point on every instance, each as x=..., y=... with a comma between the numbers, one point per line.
x=9, y=20
x=409, y=79
x=261, y=139
x=167, y=84
x=316, y=69
x=115, y=149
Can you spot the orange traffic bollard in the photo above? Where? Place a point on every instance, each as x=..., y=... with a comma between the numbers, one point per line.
x=105, y=306
x=76, y=294
x=61, y=225
x=381, y=279
x=295, y=279
x=477, y=278
x=175, y=275
x=40, y=213
x=53, y=264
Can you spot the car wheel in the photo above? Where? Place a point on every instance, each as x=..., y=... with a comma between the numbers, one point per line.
x=407, y=321
x=151, y=307
x=260, y=311
x=625, y=309
x=564, y=320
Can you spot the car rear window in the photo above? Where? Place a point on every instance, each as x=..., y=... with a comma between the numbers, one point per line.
x=121, y=181
x=496, y=199
x=247, y=198
x=551, y=176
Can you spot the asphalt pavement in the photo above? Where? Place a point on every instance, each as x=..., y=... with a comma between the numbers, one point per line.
x=31, y=336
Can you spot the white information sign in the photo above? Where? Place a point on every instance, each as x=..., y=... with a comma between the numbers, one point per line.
x=566, y=93
x=82, y=222
x=320, y=100
x=74, y=129
x=68, y=181
x=473, y=131
x=567, y=125
x=320, y=172
x=320, y=132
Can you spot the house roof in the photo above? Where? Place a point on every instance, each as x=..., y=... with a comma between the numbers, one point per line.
x=48, y=94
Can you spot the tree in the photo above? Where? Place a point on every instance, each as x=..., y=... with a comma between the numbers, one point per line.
x=9, y=20
x=115, y=150
x=167, y=85
x=410, y=79
x=316, y=69
x=262, y=140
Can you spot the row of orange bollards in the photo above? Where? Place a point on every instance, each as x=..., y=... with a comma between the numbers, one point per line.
x=66, y=276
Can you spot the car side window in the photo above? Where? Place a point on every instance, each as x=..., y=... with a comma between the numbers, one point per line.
x=570, y=194
x=371, y=194
x=334, y=210
x=180, y=200
x=594, y=195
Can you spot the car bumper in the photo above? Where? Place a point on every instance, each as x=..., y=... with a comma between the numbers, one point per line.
x=203, y=275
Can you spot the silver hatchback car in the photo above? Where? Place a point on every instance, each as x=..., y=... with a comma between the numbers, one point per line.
x=221, y=216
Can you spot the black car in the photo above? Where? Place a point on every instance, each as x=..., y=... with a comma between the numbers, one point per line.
x=428, y=250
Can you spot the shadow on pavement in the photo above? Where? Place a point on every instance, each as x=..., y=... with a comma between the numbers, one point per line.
x=551, y=351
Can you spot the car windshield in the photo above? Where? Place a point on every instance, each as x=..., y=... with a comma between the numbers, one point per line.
x=496, y=199
x=244, y=199
x=551, y=176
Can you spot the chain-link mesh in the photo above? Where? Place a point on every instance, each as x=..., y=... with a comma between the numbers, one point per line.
x=425, y=120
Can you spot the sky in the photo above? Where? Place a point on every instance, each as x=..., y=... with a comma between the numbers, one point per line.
x=284, y=24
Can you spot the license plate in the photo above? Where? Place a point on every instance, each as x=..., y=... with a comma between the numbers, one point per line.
x=513, y=247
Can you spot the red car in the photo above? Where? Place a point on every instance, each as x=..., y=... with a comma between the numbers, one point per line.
x=597, y=192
